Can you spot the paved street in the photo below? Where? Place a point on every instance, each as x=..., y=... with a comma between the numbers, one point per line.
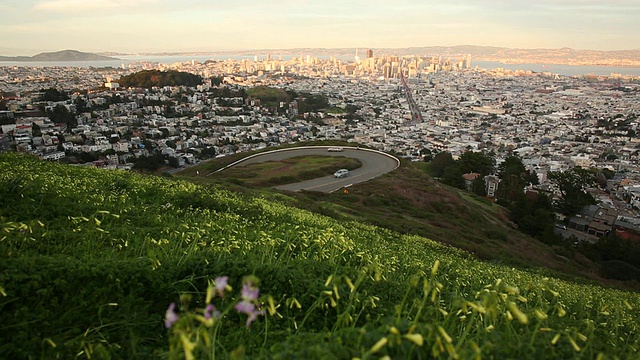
x=373, y=164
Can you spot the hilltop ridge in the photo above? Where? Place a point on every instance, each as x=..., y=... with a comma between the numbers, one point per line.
x=63, y=55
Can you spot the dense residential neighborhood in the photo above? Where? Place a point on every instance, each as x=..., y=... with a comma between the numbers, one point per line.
x=553, y=123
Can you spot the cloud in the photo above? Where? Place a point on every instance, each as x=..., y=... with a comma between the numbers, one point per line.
x=86, y=5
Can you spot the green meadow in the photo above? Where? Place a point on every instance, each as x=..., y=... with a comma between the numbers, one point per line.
x=92, y=259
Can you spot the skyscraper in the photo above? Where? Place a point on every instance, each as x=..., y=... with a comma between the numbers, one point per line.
x=369, y=54
x=468, y=62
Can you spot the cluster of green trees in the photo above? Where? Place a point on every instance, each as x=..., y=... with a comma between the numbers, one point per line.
x=534, y=214
x=268, y=95
x=53, y=94
x=312, y=103
x=151, y=78
x=227, y=92
x=619, y=258
x=149, y=163
x=60, y=114
x=450, y=171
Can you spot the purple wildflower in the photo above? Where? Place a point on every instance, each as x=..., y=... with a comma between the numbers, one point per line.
x=211, y=311
x=253, y=316
x=249, y=305
x=249, y=292
x=208, y=310
x=245, y=307
x=221, y=285
x=170, y=317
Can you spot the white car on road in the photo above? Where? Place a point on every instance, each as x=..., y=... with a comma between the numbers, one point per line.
x=341, y=173
x=335, y=149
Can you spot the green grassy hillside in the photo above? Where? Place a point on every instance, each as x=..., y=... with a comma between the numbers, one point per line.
x=91, y=260
x=410, y=202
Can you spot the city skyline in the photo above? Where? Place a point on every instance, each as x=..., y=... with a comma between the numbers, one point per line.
x=34, y=26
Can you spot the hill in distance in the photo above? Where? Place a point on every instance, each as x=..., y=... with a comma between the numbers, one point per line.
x=64, y=55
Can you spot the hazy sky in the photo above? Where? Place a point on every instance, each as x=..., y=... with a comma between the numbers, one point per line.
x=28, y=27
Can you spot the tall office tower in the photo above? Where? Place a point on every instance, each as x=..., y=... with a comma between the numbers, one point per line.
x=468, y=61
x=357, y=58
x=268, y=57
x=386, y=70
x=369, y=54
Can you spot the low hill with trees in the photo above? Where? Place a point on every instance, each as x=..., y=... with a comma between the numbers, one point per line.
x=268, y=95
x=151, y=78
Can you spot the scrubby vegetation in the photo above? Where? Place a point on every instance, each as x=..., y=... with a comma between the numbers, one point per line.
x=151, y=78
x=287, y=171
x=268, y=95
x=92, y=260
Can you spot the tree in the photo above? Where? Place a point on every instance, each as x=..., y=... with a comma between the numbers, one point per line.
x=572, y=185
x=426, y=154
x=514, y=178
x=512, y=165
x=35, y=129
x=53, y=94
x=440, y=162
x=453, y=176
x=479, y=187
x=534, y=217
x=81, y=105
x=311, y=103
x=511, y=188
x=532, y=178
x=150, y=78
x=149, y=163
x=60, y=114
x=479, y=162
x=208, y=152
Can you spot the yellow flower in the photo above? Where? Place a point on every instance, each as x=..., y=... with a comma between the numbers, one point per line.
x=379, y=345
x=188, y=347
x=444, y=334
x=573, y=343
x=415, y=338
x=517, y=313
x=540, y=314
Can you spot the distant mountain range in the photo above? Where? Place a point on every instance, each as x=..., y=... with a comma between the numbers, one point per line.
x=64, y=55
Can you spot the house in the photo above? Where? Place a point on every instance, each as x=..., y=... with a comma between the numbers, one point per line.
x=491, y=183
x=53, y=156
x=469, y=179
x=594, y=220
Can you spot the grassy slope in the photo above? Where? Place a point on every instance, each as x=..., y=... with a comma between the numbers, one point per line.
x=288, y=171
x=410, y=202
x=92, y=258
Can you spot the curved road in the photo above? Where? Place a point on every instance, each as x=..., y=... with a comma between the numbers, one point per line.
x=374, y=164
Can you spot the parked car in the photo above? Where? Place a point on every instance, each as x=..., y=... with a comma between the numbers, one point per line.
x=335, y=149
x=341, y=173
